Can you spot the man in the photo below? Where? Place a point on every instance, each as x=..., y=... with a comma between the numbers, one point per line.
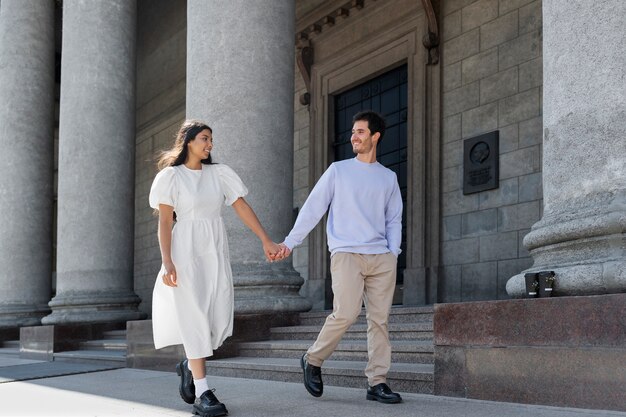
x=364, y=233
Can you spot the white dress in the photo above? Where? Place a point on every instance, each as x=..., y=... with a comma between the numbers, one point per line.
x=199, y=312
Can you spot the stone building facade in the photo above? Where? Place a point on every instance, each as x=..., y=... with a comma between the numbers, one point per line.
x=87, y=239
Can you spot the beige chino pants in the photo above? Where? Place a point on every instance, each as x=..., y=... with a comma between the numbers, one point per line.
x=357, y=278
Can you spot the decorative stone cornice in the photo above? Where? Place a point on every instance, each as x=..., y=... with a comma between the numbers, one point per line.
x=304, y=53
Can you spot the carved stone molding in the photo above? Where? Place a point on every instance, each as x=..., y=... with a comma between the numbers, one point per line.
x=305, y=61
x=431, y=39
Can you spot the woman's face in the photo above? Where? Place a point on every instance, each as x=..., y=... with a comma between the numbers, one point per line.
x=200, y=146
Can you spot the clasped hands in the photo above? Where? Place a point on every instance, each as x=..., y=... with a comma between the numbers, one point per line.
x=276, y=251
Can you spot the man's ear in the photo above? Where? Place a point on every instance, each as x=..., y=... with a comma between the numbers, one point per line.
x=375, y=137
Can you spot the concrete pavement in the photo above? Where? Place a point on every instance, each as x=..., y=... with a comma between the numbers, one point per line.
x=135, y=392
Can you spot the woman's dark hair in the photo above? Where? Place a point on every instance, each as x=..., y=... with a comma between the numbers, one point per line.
x=178, y=153
x=375, y=122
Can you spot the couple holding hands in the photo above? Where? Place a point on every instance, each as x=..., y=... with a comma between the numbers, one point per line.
x=193, y=294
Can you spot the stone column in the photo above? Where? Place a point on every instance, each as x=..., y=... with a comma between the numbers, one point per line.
x=581, y=235
x=240, y=74
x=26, y=171
x=96, y=164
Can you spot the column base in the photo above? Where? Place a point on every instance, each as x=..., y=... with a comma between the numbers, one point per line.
x=268, y=288
x=584, y=279
x=19, y=315
x=94, y=308
x=584, y=244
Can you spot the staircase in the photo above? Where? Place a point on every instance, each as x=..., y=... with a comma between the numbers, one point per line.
x=111, y=350
x=10, y=347
x=278, y=359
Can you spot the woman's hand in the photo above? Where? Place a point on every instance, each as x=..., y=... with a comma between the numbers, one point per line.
x=271, y=249
x=169, y=277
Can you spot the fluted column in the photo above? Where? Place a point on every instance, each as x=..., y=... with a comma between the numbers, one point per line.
x=96, y=164
x=240, y=72
x=582, y=234
x=26, y=171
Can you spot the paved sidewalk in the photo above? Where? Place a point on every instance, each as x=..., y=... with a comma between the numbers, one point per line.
x=134, y=392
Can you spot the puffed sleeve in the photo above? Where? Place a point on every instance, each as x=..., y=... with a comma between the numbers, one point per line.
x=232, y=186
x=164, y=188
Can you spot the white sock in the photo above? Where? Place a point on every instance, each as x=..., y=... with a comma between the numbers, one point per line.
x=201, y=386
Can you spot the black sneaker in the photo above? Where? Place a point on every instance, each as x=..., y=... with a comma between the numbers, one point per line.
x=209, y=406
x=186, y=387
x=382, y=393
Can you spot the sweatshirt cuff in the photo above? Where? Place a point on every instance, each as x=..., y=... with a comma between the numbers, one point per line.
x=290, y=243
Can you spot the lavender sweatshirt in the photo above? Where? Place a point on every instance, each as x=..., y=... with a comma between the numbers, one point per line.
x=365, y=214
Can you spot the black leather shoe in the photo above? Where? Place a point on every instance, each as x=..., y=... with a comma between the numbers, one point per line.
x=209, y=406
x=382, y=393
x=186, y=388
x=312, y=378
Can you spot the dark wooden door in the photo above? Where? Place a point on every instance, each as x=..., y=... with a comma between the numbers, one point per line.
x=387, y=95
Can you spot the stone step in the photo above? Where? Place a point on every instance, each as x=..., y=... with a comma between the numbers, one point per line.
x=11, y=344
x=114, y=334
x=397, y=331
x=414, y=351
x=105, y=344
x=105, y=357
x=10, y=347
x=402, y=377
x=397, y=315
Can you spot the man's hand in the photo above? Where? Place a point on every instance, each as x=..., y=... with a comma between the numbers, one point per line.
x=284, y=251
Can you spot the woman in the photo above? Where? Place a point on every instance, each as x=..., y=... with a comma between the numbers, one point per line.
x=193, y=296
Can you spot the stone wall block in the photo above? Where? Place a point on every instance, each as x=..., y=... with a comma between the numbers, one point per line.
x=461, y=99
x=460, y=251
x=508, y=268
x=452, y=154
x=456, y=203
x=479, y=223
x=530, y=187
x=518, y=216
x=461, y=47
x=499, y=246
x=450, y=6
x=452, y=26
x=521, y=162
x=452, y=178
x=479, y=281
x=530, y=132
x=478, y=13
x=500, y=85
x=480, y=119
x=505, y=194
x=519, y=50
x=519, y=107
x=451, y=288
x=530, y=74
x=499, y=31
x=479, y=66
x=451, y=128
x=530, y=17
x=508, y=138
x=508, y=5
x=451, y=227
x=452, y=77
